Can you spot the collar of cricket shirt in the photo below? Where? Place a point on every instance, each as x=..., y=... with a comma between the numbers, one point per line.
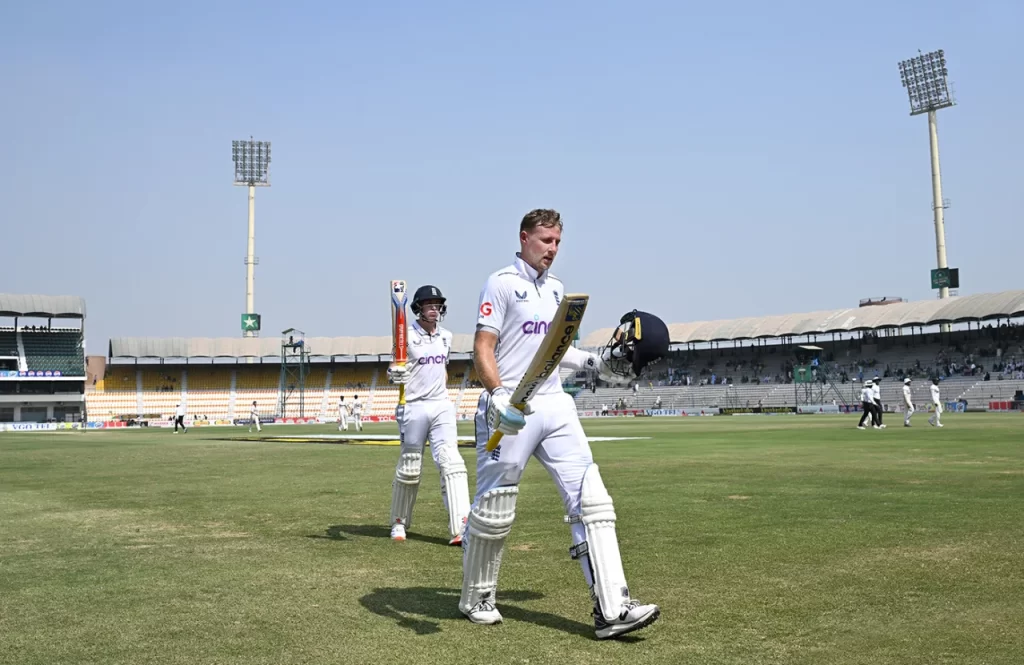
x=423, y=331
x=529, y=271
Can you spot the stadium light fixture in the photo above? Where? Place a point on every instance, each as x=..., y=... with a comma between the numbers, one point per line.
x=252, y=170
x=925, y=78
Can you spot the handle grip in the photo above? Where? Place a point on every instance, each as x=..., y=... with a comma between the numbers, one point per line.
x=493, y=442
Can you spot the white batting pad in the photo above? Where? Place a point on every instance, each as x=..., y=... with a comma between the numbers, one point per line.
x=602, y=545
x=489, y=524
x=454, y=487
x=405, y=487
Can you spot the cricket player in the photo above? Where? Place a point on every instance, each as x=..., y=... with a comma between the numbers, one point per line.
x=908, y=402
x=876, y=394
x=428, y=415
x=516, y=305
x=254, y=417
x=867, y=405
x=179, y=419
x=937, y=403
x=342, y=414
x=357, y=413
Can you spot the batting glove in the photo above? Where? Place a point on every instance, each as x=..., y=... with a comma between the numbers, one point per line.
x=502, y=416
x=398, y=374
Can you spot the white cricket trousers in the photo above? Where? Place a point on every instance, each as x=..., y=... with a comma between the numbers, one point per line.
x=554, y=436
x=434, y=421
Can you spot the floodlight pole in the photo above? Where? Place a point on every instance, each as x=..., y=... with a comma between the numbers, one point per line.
x=925, y=78
x=250, y=259
x=937, y=203
x=252, y=163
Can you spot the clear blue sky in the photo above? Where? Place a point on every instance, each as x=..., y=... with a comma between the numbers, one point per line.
x=709, y=162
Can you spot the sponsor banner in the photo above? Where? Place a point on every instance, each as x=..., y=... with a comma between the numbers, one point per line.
x=734, y=411
x=37, y=427
x=292, y=421
x=33, y=374
x=817, y=408
x=955, y=407
x=664, y=412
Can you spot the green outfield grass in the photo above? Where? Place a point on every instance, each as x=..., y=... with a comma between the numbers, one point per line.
x=764, y=540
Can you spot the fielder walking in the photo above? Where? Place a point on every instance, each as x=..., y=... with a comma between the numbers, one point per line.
x=935, y=420
x=254, y=417
x=357, y=413
x=908, y=402
x=342, y=414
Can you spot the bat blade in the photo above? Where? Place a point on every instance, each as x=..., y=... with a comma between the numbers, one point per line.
x=561, y=332
x=399, y=329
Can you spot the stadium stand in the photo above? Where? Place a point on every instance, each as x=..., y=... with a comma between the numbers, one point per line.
x=43, y=366
x=57, y=350
x=736, y=363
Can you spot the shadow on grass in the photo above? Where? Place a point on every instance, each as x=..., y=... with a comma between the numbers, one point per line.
x=339, y=531
x=420, y=609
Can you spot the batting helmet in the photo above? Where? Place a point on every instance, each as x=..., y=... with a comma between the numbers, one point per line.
x=640, y=339
x=425, y=293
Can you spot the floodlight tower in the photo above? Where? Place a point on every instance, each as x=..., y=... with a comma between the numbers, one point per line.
x=252, y=166
x=924, y=77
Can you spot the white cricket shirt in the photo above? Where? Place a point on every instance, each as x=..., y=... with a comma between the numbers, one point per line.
x=935, y=394
x=428, y=363
x=180, y=411
x=357, y=407
x=876, y=391
x=866, y=396
x=906, y=395
x=342, y=407
x=518, y=304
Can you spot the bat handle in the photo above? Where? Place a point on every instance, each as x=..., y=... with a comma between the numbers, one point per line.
x=401, y=390
x=493, y=442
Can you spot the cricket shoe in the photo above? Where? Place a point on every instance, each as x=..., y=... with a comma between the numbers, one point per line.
x=398, y=533
x=861, y=427
x=633, y=616
x=456, y=541
x=907, y=425
x=938, y=424
x=484, y=612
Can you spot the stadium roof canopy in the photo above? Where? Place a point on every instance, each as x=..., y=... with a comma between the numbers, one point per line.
x=980, y=307
x=50, y=307
x=257, y=347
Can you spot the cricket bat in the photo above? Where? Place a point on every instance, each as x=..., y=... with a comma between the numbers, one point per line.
x=399, y=330
x=560, y=335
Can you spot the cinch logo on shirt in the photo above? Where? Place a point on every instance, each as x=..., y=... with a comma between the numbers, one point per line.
x=535, y=328
x=431, y=360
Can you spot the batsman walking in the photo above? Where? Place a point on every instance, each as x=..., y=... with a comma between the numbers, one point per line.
x=516, y=308
x=428, y=414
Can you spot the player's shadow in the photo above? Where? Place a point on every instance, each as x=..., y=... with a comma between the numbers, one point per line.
x=342, y=531
x=421, y=608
